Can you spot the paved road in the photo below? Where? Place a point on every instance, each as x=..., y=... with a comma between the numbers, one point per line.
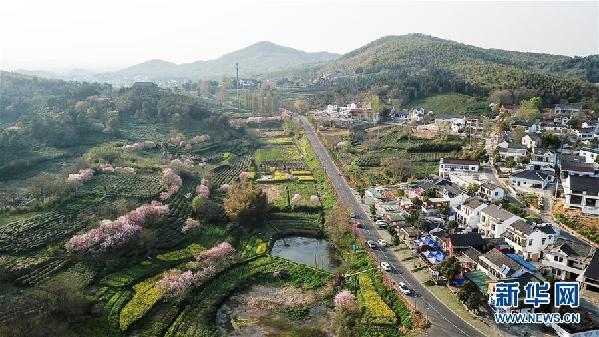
x=443, y=321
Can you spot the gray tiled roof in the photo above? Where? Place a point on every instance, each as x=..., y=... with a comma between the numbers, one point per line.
x=497, y=212
x=522, y=227
x=584, y=183
x=573, y=248
x=499, y=259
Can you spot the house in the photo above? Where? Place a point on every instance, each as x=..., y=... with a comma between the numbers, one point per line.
x=576, y=165
x=448, y=165
x=468, y=213
x=582, y=192
x=528, y=127
x=568, y=108
x=515, y=151
x=542, y=159
x=530, y=141
x=494, y=220
x=416, y=115
x=590, y=278
x=591, y=124
x=491, y=192
x=530, y=180
x=470, y=259
x=590, y=155
x=499, y=266
x=554, y=127
x=566, y=260
x=460, y=242
x=528, y=240
x=144, y=85
x=584, y=134
x=455, y=195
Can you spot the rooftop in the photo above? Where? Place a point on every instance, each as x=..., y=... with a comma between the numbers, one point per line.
x=522, y=227
x=593, y=268
x=497, y=212
x=473, y=202
x=531, y=175
x=466, y=240
x=584, y=183
x=499, y=259
x=459, y=161
x=588, y=149
x=573, y=248
x=473, y=253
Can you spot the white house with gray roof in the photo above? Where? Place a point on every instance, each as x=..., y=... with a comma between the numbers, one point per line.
x=567, y=260
x=527, y=181
x=468, y=213
x=491, y=192
x=529, y=240
x=494, y=221
x=582, y=192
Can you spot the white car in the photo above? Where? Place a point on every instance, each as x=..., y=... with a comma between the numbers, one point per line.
x=386, y=266
x=381, y=223
x=382, y=243
x=371, y=244
x=404, y=288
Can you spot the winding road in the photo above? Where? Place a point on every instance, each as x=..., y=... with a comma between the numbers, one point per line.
x=444, y=322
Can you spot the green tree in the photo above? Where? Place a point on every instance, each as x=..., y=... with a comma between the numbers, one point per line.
x=373, y=210
x=529, y=109
x=449, y=268
x=246, y=204
x=301, y=105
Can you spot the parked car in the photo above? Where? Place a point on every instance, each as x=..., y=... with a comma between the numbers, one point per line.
x=381, y=223
x=386, y=266
x=371, y=244
x=352, y=215
x=404, y=288
x=359, y=224
x=382, y=243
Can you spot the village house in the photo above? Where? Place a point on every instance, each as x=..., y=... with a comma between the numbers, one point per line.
x=529, y=241
x=416, y=115
x=530, y=180
x=469, y=259
x=474, y=124
x=584, y=134
x=528, y=127
x=491, y=192
x=448, y=165
x=553, y=127
x=499, y=266
x=582, y=192
x=455, y=195
x=590, y=155
x=468, y=214
x=568, y=109
x=530, y=141
x=494, y=220
x=591, y=124
x=566, y=260
x=542, y=159
x=513, y=150
x=576, y=165
x=590, y=278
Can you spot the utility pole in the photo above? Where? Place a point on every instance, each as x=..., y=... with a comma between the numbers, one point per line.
x=237, y=84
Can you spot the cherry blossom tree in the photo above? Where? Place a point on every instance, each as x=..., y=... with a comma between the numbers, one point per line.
x=315, y=199
x=171, y=182
x=203, y=191
x=345, y=300
x=115, y=233
x=219, y=251
x=296, y=199
x=189, y=225
x=82, y=176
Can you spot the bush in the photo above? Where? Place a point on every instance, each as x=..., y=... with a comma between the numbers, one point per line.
x=146, y=295
x=376, y=310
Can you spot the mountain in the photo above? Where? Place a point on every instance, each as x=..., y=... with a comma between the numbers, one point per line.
x=426, y=65
x=259, y=58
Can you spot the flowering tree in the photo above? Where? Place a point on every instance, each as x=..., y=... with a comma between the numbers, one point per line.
x=171, y=182
x=219, y=251
x=174, y=283
x=223, y=188
x=190, y=224
x=296, y=199
x=200, y=139
x=115, y=233
x=315, y=199
x=345, y=300
x=243, y=176
x=203, y=191
x=148, y=144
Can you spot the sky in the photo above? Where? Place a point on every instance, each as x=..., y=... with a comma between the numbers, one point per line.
x=107, y=34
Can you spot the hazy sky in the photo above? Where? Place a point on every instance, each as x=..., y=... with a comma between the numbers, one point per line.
x=46, y=34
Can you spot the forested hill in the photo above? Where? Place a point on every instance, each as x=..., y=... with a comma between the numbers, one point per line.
x=432, y=65
x=259, y=58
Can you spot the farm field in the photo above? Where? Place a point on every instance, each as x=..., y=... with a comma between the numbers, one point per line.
x=120, y=282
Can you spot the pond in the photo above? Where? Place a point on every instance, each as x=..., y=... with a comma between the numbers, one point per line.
x=309, y=251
